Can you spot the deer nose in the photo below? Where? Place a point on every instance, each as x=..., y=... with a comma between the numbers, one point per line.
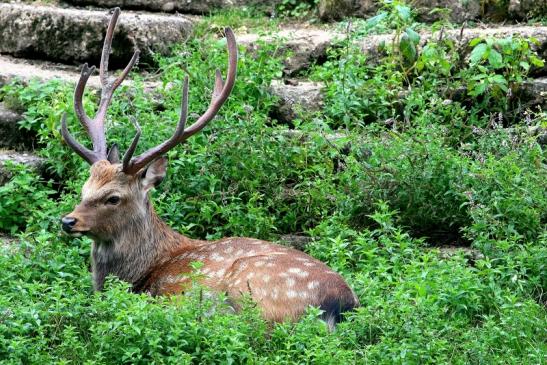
x=68, y=223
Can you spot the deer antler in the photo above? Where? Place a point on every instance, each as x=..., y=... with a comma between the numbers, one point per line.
x=220, y=93
x=95, y=126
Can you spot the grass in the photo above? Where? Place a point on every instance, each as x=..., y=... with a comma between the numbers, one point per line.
x=406, y=169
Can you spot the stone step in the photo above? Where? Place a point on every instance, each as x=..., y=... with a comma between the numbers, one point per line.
x=25, y=70
x=459, y=11
x=12, y=69
x=309, y=45
x=305, y=45
x=298, y=98
x=76, y=35
x=181, y=6
x=8, y=244
x=11, y=136
x=21, y=158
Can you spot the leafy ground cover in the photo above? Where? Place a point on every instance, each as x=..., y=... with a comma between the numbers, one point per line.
x=415, y=162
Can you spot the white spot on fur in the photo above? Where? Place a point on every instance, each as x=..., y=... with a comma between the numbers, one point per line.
x=270, y=264
x=303, y=259
x=313, y=285
x=216, y=257
x=238, y=281
x=219, y=273
x=259, y=263
x=291, y=294
x=239, y=252
x=228, y=249
x=299, y=272
x=274, y=293
x=266, y=278
x=284, y=275
x=290, y=282
x=303, y=294
x=250, y=275
x=309, y=264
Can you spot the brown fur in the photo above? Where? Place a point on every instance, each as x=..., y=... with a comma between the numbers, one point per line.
x=133, y=243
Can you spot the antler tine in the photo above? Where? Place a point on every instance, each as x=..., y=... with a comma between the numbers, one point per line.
x=129, y=153
x=221, y=92
x=95, y=126
x=107, y=46
x=132, y=167
x=86, y=154
x=108, y=87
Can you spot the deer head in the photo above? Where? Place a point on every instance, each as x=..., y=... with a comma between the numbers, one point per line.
x=115, y=197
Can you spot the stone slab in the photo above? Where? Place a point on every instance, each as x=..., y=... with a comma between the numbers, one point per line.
x=304, y=45
x=308, y=45
x=11, y=136
x=72, y=35
x=28, y=159
x=182, y=6
x=296, y=99
x=12, y=68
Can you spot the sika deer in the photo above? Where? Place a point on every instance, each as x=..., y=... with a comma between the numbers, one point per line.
x=134, y=244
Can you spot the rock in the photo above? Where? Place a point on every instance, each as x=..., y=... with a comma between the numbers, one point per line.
x=306, y=45
x=309, y=45
x=11, y=136
x=76, y=35
x=25, y=70
x=535, y=92
x=295, y=241
x=8, y=244
x=373, y=45
x=460, y=10
x=295, y=100
x=27, y=159
x=526, y=9
x=471, y=254
x=330, y=10
x=182, y=6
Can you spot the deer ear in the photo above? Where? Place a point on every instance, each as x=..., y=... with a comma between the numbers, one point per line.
x=154, y=174
x=113, y=154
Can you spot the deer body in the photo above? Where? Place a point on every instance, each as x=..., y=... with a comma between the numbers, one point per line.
x=134, y=244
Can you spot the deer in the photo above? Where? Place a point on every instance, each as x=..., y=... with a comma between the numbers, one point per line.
x=132, y=243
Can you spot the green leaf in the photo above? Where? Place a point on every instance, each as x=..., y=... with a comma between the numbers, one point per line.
x=403, y=12
x=372, y=22
x=414, y=37
x=478, y=53
x=525, y=65
x=407, y=48
x=475, y=41
x=495, y=59
x=536, y=61
x=478, y=89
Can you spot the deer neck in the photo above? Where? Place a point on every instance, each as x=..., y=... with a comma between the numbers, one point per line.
x=146, y=243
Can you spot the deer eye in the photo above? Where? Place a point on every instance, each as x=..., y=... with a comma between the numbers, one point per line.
x=113, y=200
